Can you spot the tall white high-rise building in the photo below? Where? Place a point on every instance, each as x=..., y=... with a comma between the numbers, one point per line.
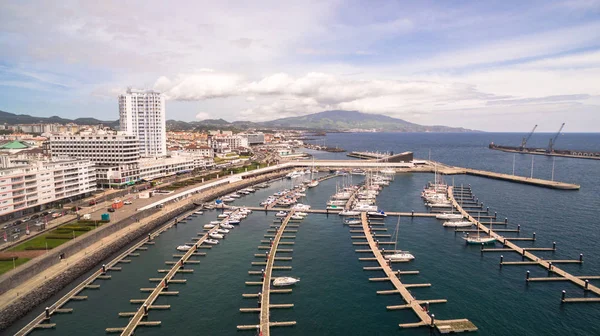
x=142, y=113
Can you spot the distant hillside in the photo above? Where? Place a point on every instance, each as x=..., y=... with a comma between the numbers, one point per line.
x=328, y=120
x=353, y=120
x=12, y=119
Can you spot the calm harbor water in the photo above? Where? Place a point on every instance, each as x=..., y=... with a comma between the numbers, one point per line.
x=335, y=297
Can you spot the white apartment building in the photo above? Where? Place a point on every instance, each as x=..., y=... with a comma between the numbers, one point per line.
x=233, y=141
x=152, y=168
x=115, y=154
x=43, y=183
x=142, y=113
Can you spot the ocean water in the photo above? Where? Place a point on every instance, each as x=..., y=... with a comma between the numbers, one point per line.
x=335, y=297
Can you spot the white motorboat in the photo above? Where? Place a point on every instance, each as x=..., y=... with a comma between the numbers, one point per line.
x=226, y=226
x=209, y=226
x=388, y=171
x=296, y=217
x=375, y=214
x=234, y=196
x=222, y=215
x=448, y=216
x=215, y=235
x=215, y=222
x=284, y=281
x=457, y=224
x=198, y=213
x=184, y=248
x=365, y=207
x=211, y=241
x=402, y=256
x=349, y=213
x=300, y=213
x=439, y=205
x=281, y=214
x=222, y=231
x=233, y=221
x=301, y=206
x=227, y=199
x=246, y=210
x=350, y=221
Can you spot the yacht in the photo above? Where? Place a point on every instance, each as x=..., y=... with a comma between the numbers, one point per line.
x=227, y=199
x=234, y=196
x=222, y=231
x=184, y=248
x=401, y=256
x=300, y=213
x=226, y=226
x=215, y=222
x=284, y=281
x=457, y=224
x=215, y=235
x=296, y=217
x=449, y=216
x=198, y=213
x=211, y=241
x=209, y=226
x=233, y=221
x=358, y=172
x=313, y=184
x=350, y=221
x=223, y=215
x=349, y=213
x=365, y=207
x=375, y=214
x=281, y=214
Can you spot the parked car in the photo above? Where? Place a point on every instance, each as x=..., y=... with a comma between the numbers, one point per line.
x=127, y=202
x=110, y=210
x=18, y=222
x=35, y=216
x=92, y=202
x=56, y=215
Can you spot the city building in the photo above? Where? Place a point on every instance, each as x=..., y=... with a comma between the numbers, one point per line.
x=41, y=184
x=142, y=113
x=233, y=141
x=254, y=138
x=115, y=154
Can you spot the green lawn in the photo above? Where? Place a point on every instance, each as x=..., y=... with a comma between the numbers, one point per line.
x=39, y=242
x=6, y=266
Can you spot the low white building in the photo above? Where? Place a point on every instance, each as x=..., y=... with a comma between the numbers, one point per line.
x=36, y=186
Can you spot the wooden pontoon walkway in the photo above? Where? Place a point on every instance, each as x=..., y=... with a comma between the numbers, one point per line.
x=265, y=324
x=534, y=260
x=136, y=320
x=415, y=305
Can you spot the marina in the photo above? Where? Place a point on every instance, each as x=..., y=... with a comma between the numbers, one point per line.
x=416, y=284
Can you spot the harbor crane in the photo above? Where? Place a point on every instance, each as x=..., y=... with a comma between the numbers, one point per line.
x=552, y=142
x=525, y=139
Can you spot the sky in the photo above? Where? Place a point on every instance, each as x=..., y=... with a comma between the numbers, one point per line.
x=486, y=65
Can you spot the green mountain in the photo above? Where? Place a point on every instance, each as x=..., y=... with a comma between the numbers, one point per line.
x=12, y=119
x=354, y=120
x=328, y=121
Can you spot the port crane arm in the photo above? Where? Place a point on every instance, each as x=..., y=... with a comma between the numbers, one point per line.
x=553, y=140
x=524, y=141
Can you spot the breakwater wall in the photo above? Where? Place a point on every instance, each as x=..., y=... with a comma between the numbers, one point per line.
x=28, y=301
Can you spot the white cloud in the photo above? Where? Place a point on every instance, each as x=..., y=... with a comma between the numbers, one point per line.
x=203, y=115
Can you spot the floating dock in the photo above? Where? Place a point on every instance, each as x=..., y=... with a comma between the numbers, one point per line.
x=443, y=326
x=264, y=328
x=162, y=287
x=550, y=265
